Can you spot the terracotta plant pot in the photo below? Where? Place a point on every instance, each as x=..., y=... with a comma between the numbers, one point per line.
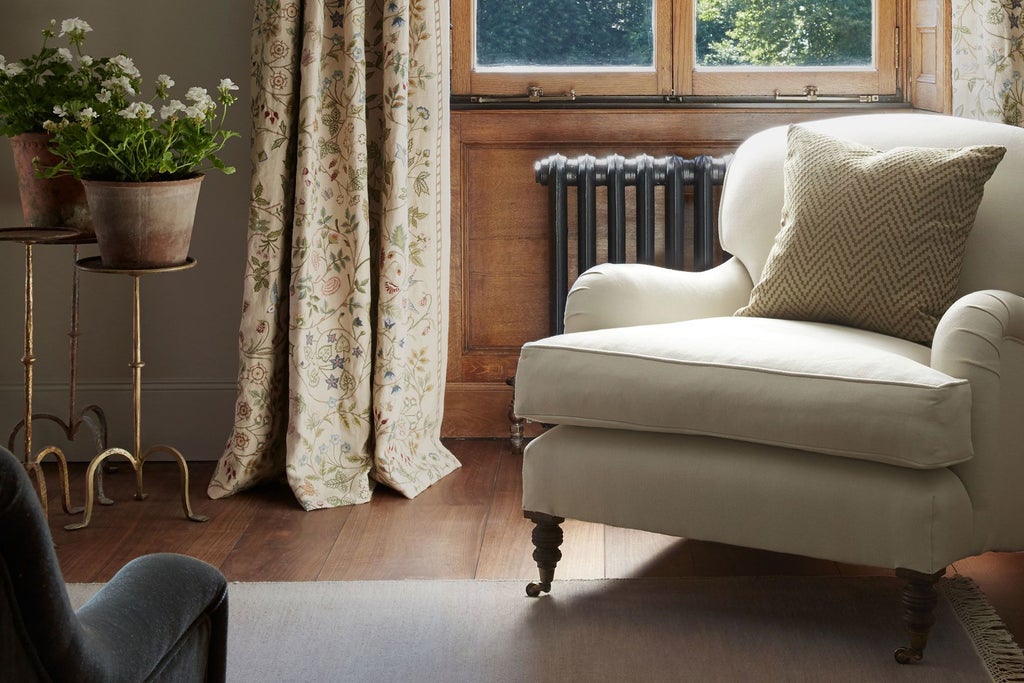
x=47, y=202
x=143, y=225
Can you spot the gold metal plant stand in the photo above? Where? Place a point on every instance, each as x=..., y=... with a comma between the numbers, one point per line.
x=94, y=265
x=92, y=415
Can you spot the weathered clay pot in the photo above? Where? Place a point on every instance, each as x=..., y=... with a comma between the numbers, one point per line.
x=47, y=202
x=143, y=225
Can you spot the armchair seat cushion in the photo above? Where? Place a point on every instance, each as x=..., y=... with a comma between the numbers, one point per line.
x=811, y=386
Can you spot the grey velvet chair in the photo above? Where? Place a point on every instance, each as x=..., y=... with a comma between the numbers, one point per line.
x=163, y=617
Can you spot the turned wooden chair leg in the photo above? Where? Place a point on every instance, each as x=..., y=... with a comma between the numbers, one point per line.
x=547, y=537
x=516, y=423
x=919, y=600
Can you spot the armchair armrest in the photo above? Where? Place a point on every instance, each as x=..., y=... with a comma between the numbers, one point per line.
x=981, y=339
x=622, y=295
x=152, y=611
x=971, y=334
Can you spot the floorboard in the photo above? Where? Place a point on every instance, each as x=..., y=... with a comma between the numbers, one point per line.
x=275, y=538
x=437, y=535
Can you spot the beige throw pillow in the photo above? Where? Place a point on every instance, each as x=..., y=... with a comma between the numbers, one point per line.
x=871, y=239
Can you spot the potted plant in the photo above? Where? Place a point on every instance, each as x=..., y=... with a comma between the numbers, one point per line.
x=141, y=161
x=29, y=90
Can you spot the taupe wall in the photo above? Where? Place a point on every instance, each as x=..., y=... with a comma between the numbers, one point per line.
x=189, y=319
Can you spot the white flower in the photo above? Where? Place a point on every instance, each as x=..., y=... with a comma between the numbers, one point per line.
x=226, y=84
x=126, y=65
x=3, y=62
x=171, y=108
x=164, y=81
x=87, y=114
x=64, y=54
x=137, y=110
x=194, y=112
x=103, y=96
x=50, y=126
x=195, y=94
x=14, y=68
x=86, y=60
x=207, y=104
x=121, y=84
x=74, y=27
x=60, y=111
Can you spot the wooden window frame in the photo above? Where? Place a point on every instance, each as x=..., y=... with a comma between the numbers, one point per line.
x=617, y=81
x=675, y=71
x=878, y=79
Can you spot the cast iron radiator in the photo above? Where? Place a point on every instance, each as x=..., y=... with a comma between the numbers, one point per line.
x=615, y=173
x=672, y=185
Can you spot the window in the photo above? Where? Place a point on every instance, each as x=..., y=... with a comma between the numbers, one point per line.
x=618, y=47
x=798, y=33
x=686, y=47
x=539, y=34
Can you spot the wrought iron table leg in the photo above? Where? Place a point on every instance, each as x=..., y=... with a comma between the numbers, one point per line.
x=34, y=463
x=183, y=479
x=90, y=480
x=137, y=461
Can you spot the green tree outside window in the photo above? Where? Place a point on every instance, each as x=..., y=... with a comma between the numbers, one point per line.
x=784, y=32
x=619, y=33
x=565, y=33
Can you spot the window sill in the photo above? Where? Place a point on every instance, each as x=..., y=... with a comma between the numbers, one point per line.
x=670, y=102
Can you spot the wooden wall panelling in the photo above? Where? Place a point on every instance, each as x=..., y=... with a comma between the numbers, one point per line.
x=929, y=40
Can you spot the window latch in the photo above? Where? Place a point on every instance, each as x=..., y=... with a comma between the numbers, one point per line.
x=534, y=94
x=811, y=95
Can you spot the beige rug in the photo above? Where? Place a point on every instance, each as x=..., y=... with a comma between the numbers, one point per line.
x=691, y=629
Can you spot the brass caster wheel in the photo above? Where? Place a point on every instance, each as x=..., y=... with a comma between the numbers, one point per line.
x=908, y=655
x=535, y=589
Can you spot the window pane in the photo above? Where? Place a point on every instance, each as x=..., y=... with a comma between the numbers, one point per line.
x=785, y=33
x=560, y=33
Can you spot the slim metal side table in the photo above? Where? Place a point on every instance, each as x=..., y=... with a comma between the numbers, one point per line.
x=91, y=415
x=136, y=457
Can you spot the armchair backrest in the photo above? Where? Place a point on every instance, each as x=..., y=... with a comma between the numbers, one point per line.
x=752, y=196
x=35, y=612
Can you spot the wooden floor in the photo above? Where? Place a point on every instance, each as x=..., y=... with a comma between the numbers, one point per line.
x=468, y=526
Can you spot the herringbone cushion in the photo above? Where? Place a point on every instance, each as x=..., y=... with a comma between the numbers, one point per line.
x=871, y=239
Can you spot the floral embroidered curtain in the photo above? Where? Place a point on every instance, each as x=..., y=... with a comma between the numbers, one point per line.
x=987, y=60
x=342, y=345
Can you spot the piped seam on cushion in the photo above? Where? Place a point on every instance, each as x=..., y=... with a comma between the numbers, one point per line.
x=954, y=381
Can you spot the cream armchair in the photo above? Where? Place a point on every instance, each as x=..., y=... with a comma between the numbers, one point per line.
x=674, y=415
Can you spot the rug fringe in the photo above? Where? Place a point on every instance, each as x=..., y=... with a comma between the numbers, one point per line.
x=1002, y=656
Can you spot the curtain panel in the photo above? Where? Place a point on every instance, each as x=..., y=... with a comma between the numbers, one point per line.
x=342, y=343
x=987, y=60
